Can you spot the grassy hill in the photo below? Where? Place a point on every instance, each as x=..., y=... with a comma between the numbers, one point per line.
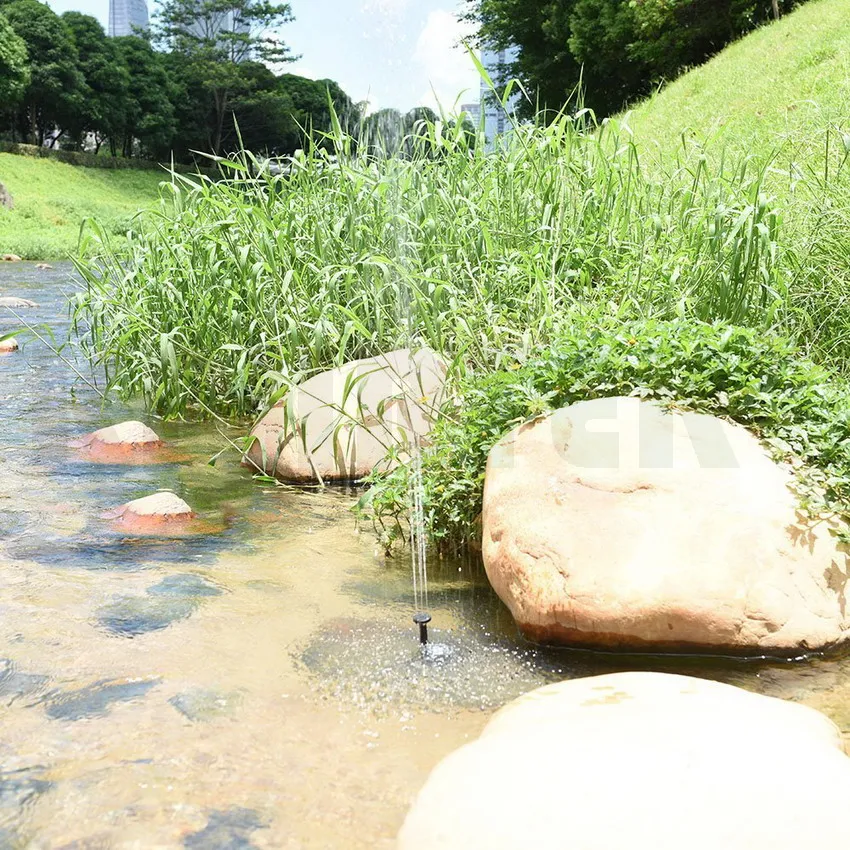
x=52, y=199
x=780, y=87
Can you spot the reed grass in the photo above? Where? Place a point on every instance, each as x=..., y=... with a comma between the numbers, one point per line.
x=235, y=288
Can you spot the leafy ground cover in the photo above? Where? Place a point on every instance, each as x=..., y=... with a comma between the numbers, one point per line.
x=52, y=199
x=760, y=380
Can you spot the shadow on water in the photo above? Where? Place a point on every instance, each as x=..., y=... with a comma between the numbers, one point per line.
x=174, y=598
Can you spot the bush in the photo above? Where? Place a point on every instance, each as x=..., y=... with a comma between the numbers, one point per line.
x=756, y=379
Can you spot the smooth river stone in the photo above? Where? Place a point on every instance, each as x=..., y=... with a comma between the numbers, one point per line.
x=16, y=303
x=643, y=761
x=339, y=425
x=140, y=615
x=126, y=442
x=201, y=705
x=10, y=258
x=616, y=523
x=227, y=829
x=94, y=700
x=160, y=513
x=174, y=598
x=7, y=346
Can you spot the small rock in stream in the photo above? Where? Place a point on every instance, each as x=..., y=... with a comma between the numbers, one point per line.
x=227, y=829
x=94, y=700
x=201, y=705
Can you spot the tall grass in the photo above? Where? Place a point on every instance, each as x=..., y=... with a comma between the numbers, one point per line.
x=236, y=287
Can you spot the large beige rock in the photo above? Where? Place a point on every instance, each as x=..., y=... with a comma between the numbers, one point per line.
x=613, y=523
x=10, y=258
x=126, y=442
x=159, y=513
x=339, y=425
x=7, y=346
x=640, y=761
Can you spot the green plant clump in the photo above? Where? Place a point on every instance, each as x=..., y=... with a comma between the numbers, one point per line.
x=237, y=287
x=759, y=380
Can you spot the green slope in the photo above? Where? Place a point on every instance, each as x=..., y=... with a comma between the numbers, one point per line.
x=781, y=86
x=52, y=199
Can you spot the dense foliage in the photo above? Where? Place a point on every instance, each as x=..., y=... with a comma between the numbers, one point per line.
x=239, y=285
x=615, y=51
x=64, y=83
x=756, y=379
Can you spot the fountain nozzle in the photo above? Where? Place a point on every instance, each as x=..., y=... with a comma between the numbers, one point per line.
x=422, y=619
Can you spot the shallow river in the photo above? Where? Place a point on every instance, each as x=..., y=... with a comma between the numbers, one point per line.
x=261, y=686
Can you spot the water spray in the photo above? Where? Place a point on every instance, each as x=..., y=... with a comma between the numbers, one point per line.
x=422, y=619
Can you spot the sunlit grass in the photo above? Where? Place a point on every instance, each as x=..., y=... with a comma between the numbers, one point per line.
x=236, y=287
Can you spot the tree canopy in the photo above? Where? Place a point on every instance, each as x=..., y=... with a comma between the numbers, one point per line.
x=612, y=51
x=205, y=73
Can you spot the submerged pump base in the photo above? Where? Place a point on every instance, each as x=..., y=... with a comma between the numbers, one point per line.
x=422, y=619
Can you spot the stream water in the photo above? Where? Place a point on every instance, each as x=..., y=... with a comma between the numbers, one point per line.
x=260, y=686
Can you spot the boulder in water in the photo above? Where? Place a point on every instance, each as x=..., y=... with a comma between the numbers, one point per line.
x=43, y=267
x=614, y=523
x=7, y=346
x=648, y=761
x=126, y=442
x=10, y=258
x=161, y=513
x=340, y=425
x=16, y=303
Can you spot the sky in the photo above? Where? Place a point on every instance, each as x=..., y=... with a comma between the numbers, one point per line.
x=393, y=53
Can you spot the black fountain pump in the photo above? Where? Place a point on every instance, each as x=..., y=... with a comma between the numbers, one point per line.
x=422, y=619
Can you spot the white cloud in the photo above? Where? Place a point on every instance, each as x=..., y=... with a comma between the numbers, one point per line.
x=384, y=8
x=444, y=60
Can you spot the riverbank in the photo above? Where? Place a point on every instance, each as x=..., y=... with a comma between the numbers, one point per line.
x=52, y=200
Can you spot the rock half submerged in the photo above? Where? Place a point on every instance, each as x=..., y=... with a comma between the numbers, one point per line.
x=126, y=442
x=162, y=513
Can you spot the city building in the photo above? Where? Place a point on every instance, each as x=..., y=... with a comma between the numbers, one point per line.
x=496, y=117
x=211, y=25
x=126, y=17
x=473, y=112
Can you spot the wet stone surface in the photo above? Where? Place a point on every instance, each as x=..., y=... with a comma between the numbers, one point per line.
x=174, y=598
x=14, y=684
x=19, y=790
x=200, y=705
x=94, y=700
x=227, y=829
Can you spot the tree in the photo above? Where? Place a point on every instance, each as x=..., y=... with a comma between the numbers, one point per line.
x=213, y=37
x=149, y=115
x=14, y=67
x=107, y=80
x=52, y=97
x=311, y=109
x=614, y=50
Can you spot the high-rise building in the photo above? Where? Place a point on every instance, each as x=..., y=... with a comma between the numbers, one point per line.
x=127, y=16
x=496, y=117
x=209, y=26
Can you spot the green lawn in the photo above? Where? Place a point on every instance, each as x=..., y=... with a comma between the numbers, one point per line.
x=52, y=200
x=781, y=87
